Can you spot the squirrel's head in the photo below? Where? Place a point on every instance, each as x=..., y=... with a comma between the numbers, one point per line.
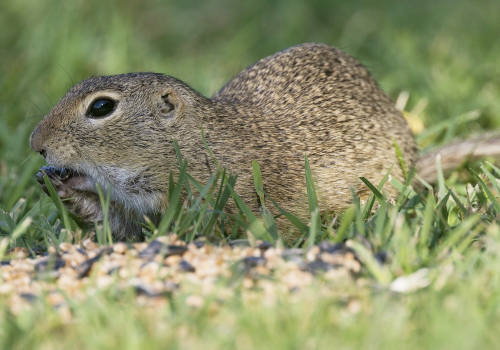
x=118, y=131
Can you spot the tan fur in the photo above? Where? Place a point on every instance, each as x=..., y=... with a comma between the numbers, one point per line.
x=310, y=99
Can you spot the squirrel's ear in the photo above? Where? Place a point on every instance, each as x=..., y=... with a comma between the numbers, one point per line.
x=167, y=105
x=170, y=101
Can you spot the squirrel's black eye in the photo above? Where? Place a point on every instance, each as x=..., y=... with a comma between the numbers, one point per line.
x=101, y=108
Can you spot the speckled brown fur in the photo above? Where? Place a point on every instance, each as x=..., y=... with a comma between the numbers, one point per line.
x=310, y=99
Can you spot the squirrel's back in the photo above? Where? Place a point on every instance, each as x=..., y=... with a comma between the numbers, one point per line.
x=311, y=99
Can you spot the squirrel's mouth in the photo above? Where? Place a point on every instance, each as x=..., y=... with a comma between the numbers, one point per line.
x=64, y=180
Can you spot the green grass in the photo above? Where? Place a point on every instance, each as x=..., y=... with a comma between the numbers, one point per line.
x=444, y=53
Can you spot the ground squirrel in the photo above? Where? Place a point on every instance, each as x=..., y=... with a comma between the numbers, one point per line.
x=309, y=99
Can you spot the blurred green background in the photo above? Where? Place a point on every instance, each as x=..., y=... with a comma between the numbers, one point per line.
x=442, y=52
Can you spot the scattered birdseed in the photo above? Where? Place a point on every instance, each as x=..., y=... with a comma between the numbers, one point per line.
x=166, y=266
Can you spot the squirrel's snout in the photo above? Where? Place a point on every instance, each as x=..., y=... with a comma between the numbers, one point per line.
x=36, y=143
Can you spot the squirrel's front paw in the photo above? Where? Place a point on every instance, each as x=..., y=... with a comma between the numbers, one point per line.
x=86, y=205
x=59, y=178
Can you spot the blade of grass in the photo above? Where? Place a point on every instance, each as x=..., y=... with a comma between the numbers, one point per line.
x=199, y=187
x=346, y=221
x=174, y=202
x=57, y=201
x=303, y=228
x=460, y=206
x=440, y=176
x=427, y=225
x=239, y=220
x=270, y=223
x=400, y=157
x=497, y=170
x=198, y=221
x=374, y=190
x=313, y=229
x=311, y=191
x=257, y=179
x=380, y=220
x=490, y=194
x=179, y=159
x=222, y=198
x=312, y=198
x=8, y=220
x=266, y=214
x=455, y=235
x=4, y=244
x=371, y=200
x=491, y=177
x=466, y=242
x=404, y=190
x=105, y=202
x=21, y=228
x=256, y=227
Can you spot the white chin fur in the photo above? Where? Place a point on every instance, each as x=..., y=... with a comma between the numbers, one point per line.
x=134, y=199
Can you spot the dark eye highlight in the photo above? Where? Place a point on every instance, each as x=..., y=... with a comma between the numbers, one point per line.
x=101, y=108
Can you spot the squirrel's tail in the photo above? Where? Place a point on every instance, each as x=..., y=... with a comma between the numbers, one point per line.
x=457, y=154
